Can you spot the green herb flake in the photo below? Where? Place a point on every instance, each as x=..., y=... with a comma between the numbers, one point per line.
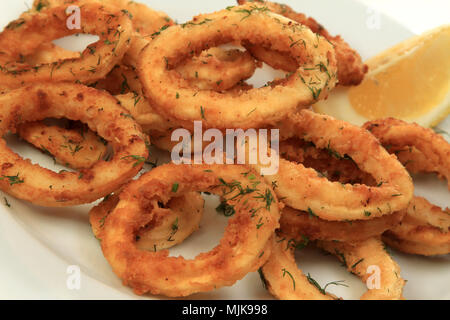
x=126, y=115
x=13, y=179
x=226, y=209
x=127, y=13
x=312, y=214
x=356, y=263
x=248, y=13
x=184, y=25
x=15, y=24
x=323, y=290
x=40, y=6
x=285, y=272
x=298, y=245
x=138, y=160
x=202, y=112
x=341, y=257
x=441, y=131
x=263, y=278
x=267, y=197
x=175, y=228
x=160, y=30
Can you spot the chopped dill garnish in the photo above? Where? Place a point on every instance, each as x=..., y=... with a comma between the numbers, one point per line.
x=285, y=272
x=298, y=245
x=174, y=230
x=226, y=209
x=138, y=160
x=202, y=112
x=263, y=278
x=323, y=290
x=253, y=9
x=356, y=263
x=312, y=214
x=267, y=198
x=13, y=179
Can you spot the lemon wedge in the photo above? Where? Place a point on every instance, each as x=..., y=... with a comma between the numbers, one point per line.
x=410, y=81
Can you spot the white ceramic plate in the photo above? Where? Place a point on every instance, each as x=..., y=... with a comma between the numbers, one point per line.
x=38, y=245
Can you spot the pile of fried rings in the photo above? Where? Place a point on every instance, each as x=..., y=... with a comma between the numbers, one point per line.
x=343, y=188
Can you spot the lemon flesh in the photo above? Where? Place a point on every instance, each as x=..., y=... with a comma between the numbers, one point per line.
x=410, y=81
x=410, y=87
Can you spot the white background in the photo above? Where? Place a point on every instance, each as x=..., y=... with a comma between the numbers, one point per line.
x=416, y=15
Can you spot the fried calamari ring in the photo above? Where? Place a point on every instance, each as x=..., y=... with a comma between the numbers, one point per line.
x=101, y=113
x=304, y=189
x=145, y=115
x=287, y=282
x=160, y=128
x=424, y=213
x=214, y=69
x=351, y=69
x=425, y=222
x=49, y=52
x=174, y=98
x=298, y=224
x=23, y=36
x=413, y=160
x=145, y=20
x=425, y=229
x=364, y=259
x=170, y=224
x=400, y=134
x=132, y=56
x=416, y=248
x=283, y=279
x=325, y=162
x=163, y=141
x=413, y=232
x=218, y=69
x=124, y=82
x=241, y=250
x=78, y=149
x=275, y=59
x=121, y=80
